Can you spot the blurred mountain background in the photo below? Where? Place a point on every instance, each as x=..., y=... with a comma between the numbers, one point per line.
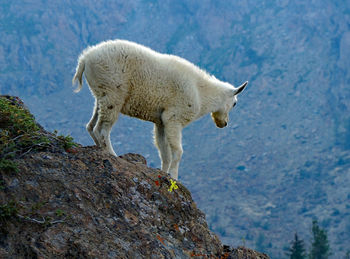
x=284, y=159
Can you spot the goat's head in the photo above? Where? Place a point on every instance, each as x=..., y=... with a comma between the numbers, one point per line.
x=220, y=117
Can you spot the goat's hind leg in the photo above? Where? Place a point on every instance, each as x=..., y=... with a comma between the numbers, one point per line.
x=107, y=115
x=90, y=126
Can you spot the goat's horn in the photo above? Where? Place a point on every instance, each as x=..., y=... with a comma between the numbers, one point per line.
x=240, y=88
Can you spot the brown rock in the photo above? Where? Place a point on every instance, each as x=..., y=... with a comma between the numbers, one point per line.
x=89, y=204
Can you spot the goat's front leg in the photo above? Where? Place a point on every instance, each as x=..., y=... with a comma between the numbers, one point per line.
x=162, y=144
x=173, y=135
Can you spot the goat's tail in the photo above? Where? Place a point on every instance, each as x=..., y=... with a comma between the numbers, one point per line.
x=79, y=75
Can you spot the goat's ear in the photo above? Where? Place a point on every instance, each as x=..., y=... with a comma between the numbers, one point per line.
x=239, y=89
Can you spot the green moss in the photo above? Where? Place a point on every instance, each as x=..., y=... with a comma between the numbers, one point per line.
x=18, y=130
x=8, y=211
x=8, y=166
x=20, y=134
x=15, y=119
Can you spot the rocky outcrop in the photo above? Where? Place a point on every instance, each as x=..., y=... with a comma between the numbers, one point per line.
x=80, y=202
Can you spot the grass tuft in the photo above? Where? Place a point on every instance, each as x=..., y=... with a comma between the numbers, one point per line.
x=20, y=134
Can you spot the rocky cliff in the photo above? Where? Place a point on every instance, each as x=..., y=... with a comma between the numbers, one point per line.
x=59, y=199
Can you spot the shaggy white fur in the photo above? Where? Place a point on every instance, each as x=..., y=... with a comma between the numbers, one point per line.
x=167, y=90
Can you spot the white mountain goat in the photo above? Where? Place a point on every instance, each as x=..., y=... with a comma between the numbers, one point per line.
x=169, y=91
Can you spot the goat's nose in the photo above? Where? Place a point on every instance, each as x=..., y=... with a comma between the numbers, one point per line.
x=225, y=124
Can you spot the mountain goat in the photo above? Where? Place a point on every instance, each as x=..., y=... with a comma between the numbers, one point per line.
x=169, y=91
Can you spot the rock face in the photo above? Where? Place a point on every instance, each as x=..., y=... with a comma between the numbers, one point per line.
x=81, y=202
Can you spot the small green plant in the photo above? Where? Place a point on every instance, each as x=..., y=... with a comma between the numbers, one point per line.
x=37, y=206
x=47, y=221
x=8, y=211
x=60, y=213
x=8, y=166
x=65, y=141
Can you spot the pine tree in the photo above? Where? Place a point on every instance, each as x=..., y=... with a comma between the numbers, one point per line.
x=297, y=249
x=320, y=245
